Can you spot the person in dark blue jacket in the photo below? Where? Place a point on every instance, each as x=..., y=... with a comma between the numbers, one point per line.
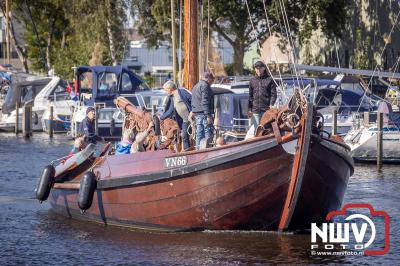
x=178, y=107
x=203, y=109
x=87, y=126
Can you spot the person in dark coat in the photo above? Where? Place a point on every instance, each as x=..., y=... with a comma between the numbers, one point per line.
x=203, y=108
x=178, y=107
x=262, y=93
x=87, y=126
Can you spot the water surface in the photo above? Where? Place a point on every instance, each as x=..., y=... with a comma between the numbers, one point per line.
x=31, y=234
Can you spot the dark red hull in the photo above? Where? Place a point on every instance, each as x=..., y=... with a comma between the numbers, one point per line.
x=244, y=193
x=326, y=175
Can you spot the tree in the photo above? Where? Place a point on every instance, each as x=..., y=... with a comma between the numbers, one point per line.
x=22, y=55
x=230, y=18
x=62, y=34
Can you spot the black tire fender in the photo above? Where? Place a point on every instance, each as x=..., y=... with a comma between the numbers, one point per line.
x=87, y=187
x=46, y=181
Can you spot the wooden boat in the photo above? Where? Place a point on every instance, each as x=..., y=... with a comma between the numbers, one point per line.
x=252, y=184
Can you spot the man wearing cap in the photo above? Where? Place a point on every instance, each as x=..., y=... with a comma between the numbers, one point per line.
x=262, y=93
x=87, y=127
x=203, y=108
x=178, y=107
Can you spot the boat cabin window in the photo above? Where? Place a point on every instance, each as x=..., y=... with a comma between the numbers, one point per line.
x=355, y=87
x=86, y=81
x=59, y=93
x=27, y=94
x=107, y=83
x=143, y=87
x=3, y=92
x=126, y=83
x=149, y=101
x=10, y=95
x=225, y=104
x=106, y=114
x=133, y=100
x=244, y=106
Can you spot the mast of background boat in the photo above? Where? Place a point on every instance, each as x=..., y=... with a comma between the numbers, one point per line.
x=173, y=37
x=191, y=73
x=8, y=30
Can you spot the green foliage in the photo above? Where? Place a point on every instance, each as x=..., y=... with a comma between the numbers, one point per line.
x=229, y=69
x=148, y=79
x=154, y=19
x=67, y=31
x=328, y=15
x=361, y=58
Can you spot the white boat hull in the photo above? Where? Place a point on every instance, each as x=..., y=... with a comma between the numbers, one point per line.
x=363, y=144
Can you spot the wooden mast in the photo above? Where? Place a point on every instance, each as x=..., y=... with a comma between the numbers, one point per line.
x=173, y=37
x=191, y=69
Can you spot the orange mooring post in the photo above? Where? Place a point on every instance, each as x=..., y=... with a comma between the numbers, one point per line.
x=191, y=69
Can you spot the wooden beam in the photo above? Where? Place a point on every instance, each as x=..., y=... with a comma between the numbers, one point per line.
x=191, y=70
x=173, y=38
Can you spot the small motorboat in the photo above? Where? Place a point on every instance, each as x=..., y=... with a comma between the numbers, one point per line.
x=22, y=93
x=363, y=139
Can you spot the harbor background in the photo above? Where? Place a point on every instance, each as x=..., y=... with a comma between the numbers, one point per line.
x=31, y=234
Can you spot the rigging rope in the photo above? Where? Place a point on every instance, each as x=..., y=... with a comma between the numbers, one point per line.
x=201, y=42
x=258, y=44
x=337, y=54
x=270, y=35
x=376, y=67
x=384, y=47
x=291, y=42
x=208, y=32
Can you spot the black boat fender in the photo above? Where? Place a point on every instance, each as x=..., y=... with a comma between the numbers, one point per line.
x=87, y=187
x=45, y=183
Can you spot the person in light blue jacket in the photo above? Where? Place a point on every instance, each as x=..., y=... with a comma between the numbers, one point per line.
x=125, y=145
x=178, y=107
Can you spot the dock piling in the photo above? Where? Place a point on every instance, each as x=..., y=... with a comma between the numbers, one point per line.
x=379, y=137
x=96, y=120
x=366, y=119
x=27, y=121
x=16, y=118
x=51, y=126
x=334, y=122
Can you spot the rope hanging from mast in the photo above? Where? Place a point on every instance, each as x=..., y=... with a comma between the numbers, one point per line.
x=289, y=36
x=384, y=48
x=258, y=43
x=208, y=32
x=376, y=67
x=201, y=39
x=270, y=35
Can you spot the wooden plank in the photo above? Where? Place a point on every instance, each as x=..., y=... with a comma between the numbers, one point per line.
x=299, y=165
x=66, y=185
